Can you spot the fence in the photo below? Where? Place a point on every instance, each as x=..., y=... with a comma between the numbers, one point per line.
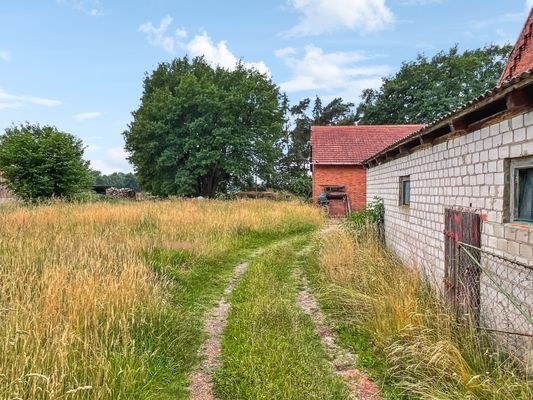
x=495, y=294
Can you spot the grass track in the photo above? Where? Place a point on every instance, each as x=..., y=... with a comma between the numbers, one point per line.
x=198, y=284
x=269, y=349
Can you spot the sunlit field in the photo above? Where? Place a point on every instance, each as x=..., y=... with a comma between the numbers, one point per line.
x=106, y=301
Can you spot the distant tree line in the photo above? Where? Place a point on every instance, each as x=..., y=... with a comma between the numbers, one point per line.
x=204, y=130
x=116, y=179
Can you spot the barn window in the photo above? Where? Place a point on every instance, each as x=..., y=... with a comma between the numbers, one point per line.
x=405, y=190
x=522, y=189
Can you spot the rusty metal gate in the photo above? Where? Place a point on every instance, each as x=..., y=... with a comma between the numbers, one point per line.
x=461, y=275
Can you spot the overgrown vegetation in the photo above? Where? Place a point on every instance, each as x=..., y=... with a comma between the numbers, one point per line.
x=106, y=301
x=373, y=217
x=404, y=334
x=270, y=349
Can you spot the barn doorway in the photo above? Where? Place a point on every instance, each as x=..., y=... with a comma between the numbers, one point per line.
x=462, y=257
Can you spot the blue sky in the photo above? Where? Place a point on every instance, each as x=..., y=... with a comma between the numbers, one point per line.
x=79, y=64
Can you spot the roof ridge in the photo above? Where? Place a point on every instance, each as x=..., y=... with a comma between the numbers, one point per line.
x=512, y=67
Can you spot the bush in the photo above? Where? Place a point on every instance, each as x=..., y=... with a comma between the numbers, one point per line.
x=41, y=162
x=372, y=217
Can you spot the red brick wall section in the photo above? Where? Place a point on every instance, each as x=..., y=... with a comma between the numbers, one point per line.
x=352, y=177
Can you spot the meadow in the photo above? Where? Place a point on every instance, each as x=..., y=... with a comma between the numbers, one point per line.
x=106, y=301
x=109, y=301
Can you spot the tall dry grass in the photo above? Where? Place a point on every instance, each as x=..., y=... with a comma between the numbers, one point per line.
x=426, y=353
x=82, y=315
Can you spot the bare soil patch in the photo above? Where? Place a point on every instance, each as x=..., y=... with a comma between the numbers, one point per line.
x=361, y=387
x=201, y=387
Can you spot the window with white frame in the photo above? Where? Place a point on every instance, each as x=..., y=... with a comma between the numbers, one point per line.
x=521, y=200
x=405, y=191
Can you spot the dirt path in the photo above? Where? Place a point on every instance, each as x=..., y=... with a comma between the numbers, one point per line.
x=201, y=387
x=342, y=360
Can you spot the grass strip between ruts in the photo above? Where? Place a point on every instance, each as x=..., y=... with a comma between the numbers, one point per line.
x=270, y=349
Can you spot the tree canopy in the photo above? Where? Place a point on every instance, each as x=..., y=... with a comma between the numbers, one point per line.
x=293, y=167
x=200, y=129
x=428, y=87
x=41, y=162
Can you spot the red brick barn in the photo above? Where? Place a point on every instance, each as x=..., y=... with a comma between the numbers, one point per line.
x=336, y=156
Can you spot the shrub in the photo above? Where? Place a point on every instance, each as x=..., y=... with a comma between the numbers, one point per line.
x=371, y=218
x=42, y=162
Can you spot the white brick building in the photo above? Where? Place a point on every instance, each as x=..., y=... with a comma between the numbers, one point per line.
x=479, y=160
x=470, y=170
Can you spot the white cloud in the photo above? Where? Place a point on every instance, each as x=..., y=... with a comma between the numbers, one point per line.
x=84, y=116
x=336, y=73
x=158, y=37
x=200, y=45
x=219, y=53
x=93, y=8
x=285, y=52
x=5, y=55
x=115, y=160
x=92, y=147
x=529, y=3
x=10, y=105
x=321, y=16
x=8, y=100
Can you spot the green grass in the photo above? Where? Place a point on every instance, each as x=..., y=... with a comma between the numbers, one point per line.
x=270, y=350
x=406, y=339
x=173, y=336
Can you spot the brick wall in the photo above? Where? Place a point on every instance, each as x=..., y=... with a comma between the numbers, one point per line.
x=467, y=171
x=352, y=177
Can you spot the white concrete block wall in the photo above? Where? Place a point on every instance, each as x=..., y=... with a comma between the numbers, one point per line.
x=465, y=171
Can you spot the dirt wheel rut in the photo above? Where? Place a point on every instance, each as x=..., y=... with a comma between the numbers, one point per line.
x=342, y=360
x=201, y=386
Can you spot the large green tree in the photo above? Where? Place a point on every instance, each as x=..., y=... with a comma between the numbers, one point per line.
x=40, y=162
x=293, y=167
x=428, y=87
x=200, y=128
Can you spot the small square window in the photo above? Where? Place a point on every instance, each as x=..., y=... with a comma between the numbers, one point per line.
x=405, y=190
x=522, y=191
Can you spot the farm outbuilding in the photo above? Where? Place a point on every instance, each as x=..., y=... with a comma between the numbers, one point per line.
x=337, y=153
x=458, y=198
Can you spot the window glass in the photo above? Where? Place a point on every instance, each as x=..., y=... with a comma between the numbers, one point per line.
x=405, y=190
x=525, y=194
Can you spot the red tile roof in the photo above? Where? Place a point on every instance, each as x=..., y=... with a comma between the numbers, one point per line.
x=521, y=57
x=345, y=145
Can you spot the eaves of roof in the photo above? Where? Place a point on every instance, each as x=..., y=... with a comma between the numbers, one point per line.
x=484, y=101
